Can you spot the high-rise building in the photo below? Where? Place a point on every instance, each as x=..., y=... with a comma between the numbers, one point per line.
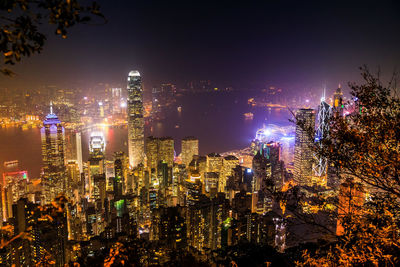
x=152, y=152
x=121, y=173
x=322, y=132
x=73, y=175
x=272, y=151
x=159, y=149
x=79, y=151
x=303, y=153
x=73, y=148
x=135, y=119
x=211, y=181
x=96, y=164
x=166, y=150
x=262, y=171
x=229, y=162
x=190, y=147
x=214, y=162
x=53, y=143
x=70, y=145
x=14, y=185
x=338, y=104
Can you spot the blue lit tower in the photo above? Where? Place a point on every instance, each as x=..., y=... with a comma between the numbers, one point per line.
x=53, y=147
x=324, y=115
x=135, y=119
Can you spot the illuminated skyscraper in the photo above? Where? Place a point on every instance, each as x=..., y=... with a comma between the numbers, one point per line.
x=14, y=186
x=97, y=144
x=73, y=148
x=324, y=115
x=190, y=147
x=96, y=162
x=152, y=152
x=261, y=169
x=214, y=162
x=135, y=119
x=53, y=140
x=229, y=162
x=166, y=150
x=303, y=154
x=159, y=150
x=79, y=151
x=338, y=104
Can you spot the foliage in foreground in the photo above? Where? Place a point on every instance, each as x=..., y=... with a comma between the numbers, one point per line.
x=20, y=21
x=364, y=148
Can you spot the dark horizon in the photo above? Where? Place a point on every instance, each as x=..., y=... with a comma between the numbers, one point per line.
x=295, y=46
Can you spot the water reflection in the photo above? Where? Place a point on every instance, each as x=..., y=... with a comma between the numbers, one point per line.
x=216, y=119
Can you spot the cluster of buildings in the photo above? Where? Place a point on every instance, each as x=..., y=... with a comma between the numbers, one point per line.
x=191, y=202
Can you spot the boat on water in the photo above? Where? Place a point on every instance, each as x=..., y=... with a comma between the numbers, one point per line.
x=248, y=115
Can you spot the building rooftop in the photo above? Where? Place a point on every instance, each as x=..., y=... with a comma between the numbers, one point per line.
x=134, y=73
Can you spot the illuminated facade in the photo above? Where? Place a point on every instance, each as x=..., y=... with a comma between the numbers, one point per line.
x=159, y=150
x=152, y=152
x=261, y=169
x=97, y=143
x=338, y=104
x=324, y=115
x=166, y=150
x=190, y=147
x=303, y=154
x=14, y=185
x=273, y=133
x=214, y=162
x=53, y=145
x=96, y=164
x=135, y=119
x=73, y=148
x=229, y=162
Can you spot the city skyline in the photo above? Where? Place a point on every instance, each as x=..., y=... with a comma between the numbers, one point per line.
x=175, y=133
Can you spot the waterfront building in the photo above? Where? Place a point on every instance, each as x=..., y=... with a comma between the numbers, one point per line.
x=53, y=152
x=135, y=119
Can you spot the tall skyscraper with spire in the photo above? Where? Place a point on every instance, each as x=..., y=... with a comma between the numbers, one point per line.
x=53, y=150
x=135, y=119
x=322, y=132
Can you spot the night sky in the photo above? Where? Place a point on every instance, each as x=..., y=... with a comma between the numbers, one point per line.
x=295, y=45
